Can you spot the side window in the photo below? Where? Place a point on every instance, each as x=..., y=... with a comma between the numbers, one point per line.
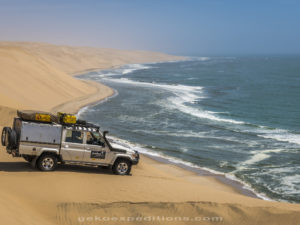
x=93, y=138
x=74, y=136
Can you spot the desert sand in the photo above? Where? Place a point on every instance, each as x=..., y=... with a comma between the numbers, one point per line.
x=38, y=76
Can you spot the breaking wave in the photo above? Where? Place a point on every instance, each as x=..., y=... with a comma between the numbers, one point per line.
x=257, y=148
x=184, y=97
x=183, y=94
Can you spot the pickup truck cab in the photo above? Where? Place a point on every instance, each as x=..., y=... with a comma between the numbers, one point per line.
x=46, y=145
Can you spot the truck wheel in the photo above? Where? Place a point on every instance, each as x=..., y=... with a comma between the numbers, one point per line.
x=122, y=167
x=47, y=162
x=4, y=136
x=12, y=139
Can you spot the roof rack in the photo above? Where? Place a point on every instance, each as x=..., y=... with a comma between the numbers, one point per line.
x=82, y=124
x=67, y=120
x=87, y=124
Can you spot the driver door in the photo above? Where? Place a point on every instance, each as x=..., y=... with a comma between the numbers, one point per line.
x=72, y=147
x=95, y=148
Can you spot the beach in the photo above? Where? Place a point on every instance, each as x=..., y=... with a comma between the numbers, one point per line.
x=41, y=77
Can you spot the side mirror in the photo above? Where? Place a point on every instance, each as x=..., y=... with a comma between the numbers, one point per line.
x=105, y=133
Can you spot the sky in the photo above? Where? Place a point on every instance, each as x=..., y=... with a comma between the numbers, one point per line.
x=184, y=27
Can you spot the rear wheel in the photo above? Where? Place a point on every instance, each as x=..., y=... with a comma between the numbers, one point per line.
x=47, y=162
x=4, y=136
x=9, y=138
x=12, y=139
x=122, y=167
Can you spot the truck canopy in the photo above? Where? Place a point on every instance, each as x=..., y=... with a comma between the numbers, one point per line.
x=40, y=132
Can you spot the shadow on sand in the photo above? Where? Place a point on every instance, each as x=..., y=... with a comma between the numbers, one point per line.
x=26, y=167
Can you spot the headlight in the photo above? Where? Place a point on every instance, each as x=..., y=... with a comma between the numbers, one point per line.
x=136, y=154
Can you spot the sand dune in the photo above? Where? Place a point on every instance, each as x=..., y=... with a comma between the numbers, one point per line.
x=72, y=193
x=37, y=76
x=30, y=82
x=73, y=60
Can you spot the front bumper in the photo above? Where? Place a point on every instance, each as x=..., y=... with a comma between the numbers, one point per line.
x=136, y=160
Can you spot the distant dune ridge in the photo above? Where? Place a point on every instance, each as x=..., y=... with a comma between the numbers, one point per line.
x=73, y=60
x=38, y=76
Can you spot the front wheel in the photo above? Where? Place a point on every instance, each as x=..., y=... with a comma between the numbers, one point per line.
x=47, y=162
x=122, y=167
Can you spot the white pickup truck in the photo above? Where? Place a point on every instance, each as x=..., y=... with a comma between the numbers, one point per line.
x=45, y=145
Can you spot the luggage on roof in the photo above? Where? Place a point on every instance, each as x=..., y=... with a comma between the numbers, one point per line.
x=65, y=118
x=46, y=117
x=37, y=116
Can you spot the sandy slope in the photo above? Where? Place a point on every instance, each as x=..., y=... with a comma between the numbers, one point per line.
x=30, y=77
x=35, y=75
x=30, y=82
x=75, y=59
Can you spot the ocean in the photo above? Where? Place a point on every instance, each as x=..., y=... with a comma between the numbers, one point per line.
x=237, y=116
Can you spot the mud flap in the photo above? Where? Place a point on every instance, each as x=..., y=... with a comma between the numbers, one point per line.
x=33, y=162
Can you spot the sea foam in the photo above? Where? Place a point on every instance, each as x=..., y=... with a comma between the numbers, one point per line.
x=183, y=94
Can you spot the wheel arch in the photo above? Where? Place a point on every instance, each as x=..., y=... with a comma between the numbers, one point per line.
x=49, y=151
x=118, y=157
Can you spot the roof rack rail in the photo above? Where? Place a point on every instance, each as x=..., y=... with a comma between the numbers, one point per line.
x=86, y=125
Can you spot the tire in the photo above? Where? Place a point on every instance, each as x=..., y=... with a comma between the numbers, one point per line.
x=4, y=136
x=10, y=139
x=122, y=167
x=47, y=162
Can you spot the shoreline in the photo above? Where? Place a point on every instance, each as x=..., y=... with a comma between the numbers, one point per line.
x=82, y=72
x=238, y=185
x=75, y=105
